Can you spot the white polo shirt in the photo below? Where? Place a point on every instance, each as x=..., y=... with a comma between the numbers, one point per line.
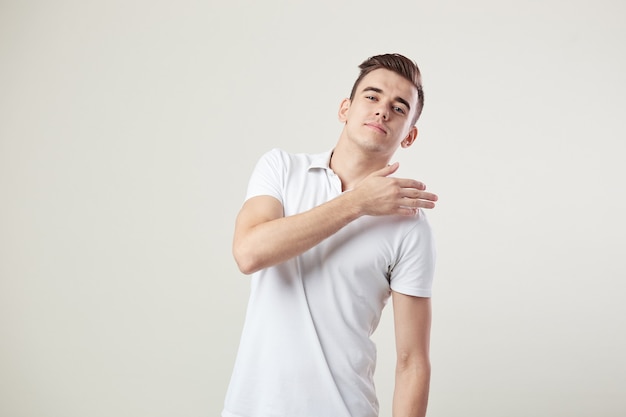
x=305, y=350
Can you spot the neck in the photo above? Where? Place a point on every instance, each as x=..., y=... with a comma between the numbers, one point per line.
x=352, y=166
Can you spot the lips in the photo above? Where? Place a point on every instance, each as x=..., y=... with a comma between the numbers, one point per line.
x=376, y=126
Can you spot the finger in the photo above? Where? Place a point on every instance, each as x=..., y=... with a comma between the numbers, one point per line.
x=417, y=204
x=406, y=211
x=425, y=204
x=418, y=194
x=388, y=170
x=410, y=184
x=422, y=198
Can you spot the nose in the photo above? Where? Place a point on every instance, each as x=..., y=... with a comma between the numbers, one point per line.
x=382, y=112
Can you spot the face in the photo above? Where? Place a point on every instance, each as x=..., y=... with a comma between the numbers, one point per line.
x=378, y=118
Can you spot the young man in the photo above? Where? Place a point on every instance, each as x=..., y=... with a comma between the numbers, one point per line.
x=328, y=238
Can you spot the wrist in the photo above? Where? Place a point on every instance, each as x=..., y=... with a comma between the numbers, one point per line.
x=350, y=205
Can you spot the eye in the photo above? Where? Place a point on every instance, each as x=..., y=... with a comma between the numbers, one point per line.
x=399, y=109
x=371, y=98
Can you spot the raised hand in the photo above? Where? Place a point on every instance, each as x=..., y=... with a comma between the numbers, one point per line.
x=379, y=194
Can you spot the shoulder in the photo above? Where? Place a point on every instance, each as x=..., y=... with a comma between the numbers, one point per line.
x=410, y=235
x=419, y=230
x=405, y=226
x=280, y=158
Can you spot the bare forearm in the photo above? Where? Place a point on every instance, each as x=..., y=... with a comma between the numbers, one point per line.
x=410, y=397
x=278, y=240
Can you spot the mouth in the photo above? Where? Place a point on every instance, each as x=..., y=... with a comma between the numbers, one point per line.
x=377, y=127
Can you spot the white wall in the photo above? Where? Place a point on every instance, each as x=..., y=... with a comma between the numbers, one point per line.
x=128, y=130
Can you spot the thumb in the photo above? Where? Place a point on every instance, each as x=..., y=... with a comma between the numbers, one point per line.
x=388, y=170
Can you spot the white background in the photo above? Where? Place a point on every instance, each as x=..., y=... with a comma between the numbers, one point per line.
x=128, y=130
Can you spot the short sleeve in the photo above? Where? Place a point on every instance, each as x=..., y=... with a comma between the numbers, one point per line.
x=414, y=270
x=268, y=176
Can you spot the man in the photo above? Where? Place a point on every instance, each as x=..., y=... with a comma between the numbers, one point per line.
x=328, y=238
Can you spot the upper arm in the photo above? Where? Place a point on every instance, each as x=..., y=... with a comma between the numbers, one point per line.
x=255, y=211
x=412, y=319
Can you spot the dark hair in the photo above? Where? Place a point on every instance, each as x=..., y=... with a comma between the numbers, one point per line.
x=399, y=64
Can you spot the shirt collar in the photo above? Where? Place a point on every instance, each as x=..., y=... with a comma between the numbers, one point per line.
x=321, y=160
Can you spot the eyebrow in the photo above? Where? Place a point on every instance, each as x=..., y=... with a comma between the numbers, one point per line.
x=378, y=90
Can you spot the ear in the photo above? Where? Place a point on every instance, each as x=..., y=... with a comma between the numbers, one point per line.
x=410, y=138
x=344, y=108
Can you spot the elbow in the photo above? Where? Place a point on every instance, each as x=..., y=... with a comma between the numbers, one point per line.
x=246, y=268
x=413, y=364
x=246, y=262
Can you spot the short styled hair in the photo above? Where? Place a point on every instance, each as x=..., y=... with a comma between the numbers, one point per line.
x=399, y=64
